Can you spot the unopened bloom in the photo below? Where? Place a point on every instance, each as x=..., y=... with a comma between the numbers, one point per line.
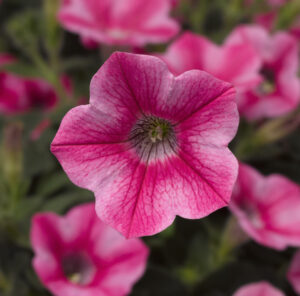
x=235, y=63
x=294, y=272
x=78, y=255
x=151, y=146
x=121, y=22
x=267, y=208
x=279, y=89
x=258, y=289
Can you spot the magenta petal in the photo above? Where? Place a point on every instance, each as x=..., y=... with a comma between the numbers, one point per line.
x=293, y=274
x=91, y=147
x=150, y=197
x=192, y=92
x=131, y=85
x=258, y=289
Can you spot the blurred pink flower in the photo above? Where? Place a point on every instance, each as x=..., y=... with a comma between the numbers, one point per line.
x=258, y=289
x=121, y=22
x=13, y=96
x=293, y=274
x=266, y=19
x=78, y=255
x=267, y=208
x=276, y=3
x=295, y=29
x=18, y=95
x=6, y=58
x=279, y=90
x=41, y=94
x=151, y=146
x=237, y=64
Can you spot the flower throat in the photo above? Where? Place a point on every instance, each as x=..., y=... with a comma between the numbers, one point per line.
x=153, y=138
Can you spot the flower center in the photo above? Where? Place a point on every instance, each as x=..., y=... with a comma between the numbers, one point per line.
x=268, y=85
x=78, y=268
x=153, y=138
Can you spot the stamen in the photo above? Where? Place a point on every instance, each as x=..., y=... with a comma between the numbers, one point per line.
x=153, y=137
x=268, y=85
x=78, y=268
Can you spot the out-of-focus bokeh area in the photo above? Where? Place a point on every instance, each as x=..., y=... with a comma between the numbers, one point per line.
x=47, y=60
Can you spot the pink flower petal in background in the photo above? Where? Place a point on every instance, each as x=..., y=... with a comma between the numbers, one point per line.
x=13, y=96
x=151, y=146
x=295, y=29
x=276, y=3
x=121, y=22
x=238, y=64
x=41, y=94
x=293, y=274
x=78, y=255
x=267, y=208
x=266, y=19
x=258, y=289
x=279, y=90
x=6, y=58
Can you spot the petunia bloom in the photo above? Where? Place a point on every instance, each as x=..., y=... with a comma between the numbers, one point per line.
x=151, y=146
x=119, y=22
x=279, y=90
x=258, y=289
x=78, y=255
x=18, y=95
x=267, y=208
x=238, y=64
x=293, y=274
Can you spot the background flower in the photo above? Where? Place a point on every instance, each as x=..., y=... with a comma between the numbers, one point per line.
x=79, y=255
x=267, y=208
x=279, y=90
x=261, y=288
x=129, y=22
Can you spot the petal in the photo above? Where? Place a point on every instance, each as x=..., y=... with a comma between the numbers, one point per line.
x=192, y=91
x=294, y=272
x=214, y=124
x=130, y=84
x=239, y=65
x=146, y=200
x=258, y=289
x=190, y=52
x=47, y=245
x=90, y=146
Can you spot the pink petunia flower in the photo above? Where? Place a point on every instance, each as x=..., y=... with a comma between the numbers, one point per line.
x=293, y=274
x=78, y=255
x=258, y=289
x=151, y=146
x=267, y=208
x=18, y=95
x=279, y=90
x=121, y=22
x=238, y=64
